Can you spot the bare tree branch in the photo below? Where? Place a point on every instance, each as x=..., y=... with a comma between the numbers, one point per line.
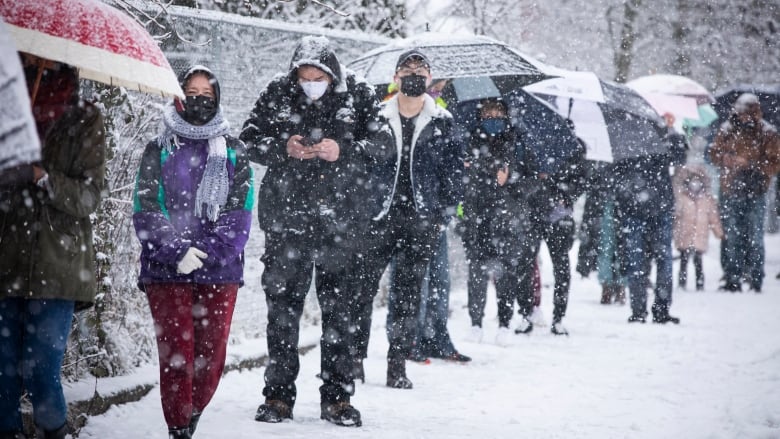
x=317, y=2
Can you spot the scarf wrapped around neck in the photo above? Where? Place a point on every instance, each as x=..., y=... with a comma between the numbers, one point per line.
x=213, y=189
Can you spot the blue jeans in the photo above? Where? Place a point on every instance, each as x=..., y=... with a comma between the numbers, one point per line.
x=33, y=337
x=645, y=238
x=432, y=339
x=743, y=247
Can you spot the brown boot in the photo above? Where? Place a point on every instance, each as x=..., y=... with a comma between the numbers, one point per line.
x=606, y=294
x=620, y=294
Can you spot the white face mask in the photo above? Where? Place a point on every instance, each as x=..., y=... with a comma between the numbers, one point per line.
x=314, y=89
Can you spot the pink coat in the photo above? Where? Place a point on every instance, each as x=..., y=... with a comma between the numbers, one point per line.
x=695, y=214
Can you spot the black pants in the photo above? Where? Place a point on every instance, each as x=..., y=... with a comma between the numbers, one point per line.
x=559, y=237
x=697, y=264
x=507, y=285
x=290, y=259
x=412, y=240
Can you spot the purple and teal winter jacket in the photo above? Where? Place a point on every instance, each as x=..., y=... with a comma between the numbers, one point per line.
x=166, y=223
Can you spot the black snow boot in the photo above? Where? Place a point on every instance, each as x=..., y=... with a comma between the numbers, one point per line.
x=637, y=318
x=194, y=422
x=179, y=433
x=12, y=435
x=52, y=434
x=273, y=411
x=340, y=413
x=396, y=375
x=664, y=318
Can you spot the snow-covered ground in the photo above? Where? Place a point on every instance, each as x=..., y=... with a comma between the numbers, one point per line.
x=716, y=375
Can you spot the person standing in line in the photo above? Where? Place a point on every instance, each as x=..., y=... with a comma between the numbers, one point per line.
x=491, y=228
x=746, y=151
x=192, y=214
x=47, y=259
x=552, y=189
x=695, y=213
x=314, y=129
x=644, y=206
x=433, y=337
x=426, y=187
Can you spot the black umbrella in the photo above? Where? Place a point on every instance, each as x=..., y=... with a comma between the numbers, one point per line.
x=451, y=57
x=619, y=126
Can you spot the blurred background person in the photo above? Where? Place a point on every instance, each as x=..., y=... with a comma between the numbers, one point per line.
x=47, y=261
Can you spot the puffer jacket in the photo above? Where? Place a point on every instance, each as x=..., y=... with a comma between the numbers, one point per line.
x=46, y=249
x=316, y=196
x=695, y=213
x=436, y=162
x=747, y=156
x=165, y=220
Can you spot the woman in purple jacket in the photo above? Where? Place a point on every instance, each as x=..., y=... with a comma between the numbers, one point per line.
x=192, y=214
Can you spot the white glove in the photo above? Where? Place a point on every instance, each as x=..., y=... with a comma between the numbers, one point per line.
x=191, y=261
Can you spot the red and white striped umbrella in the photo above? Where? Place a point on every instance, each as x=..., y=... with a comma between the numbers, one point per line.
x=105, y=44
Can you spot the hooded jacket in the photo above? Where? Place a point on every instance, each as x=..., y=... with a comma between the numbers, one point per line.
x=694, y=213
x=436, y=162
x=315, y=196
x=746, y=152
x=46, y=249
x=164, y=213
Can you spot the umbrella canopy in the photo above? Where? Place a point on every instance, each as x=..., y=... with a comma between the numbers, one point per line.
x=451, y=57
x=676, y=95
x=105, y=44
x=621, y=126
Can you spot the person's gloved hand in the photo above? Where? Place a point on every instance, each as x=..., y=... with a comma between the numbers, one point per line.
x=191, y=261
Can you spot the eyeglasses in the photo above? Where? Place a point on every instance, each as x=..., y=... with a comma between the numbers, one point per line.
x=421, y=69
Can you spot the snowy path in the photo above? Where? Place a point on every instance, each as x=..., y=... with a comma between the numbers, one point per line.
x=716, y=375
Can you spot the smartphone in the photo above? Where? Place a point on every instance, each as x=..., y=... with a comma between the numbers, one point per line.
x=307, y=141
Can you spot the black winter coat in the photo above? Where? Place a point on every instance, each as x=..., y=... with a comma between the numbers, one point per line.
x=315, y=196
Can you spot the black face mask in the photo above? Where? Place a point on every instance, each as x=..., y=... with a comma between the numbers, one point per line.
x=413, y=85
x=198, y=110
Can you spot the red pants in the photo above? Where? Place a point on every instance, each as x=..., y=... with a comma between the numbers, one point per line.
x=192, y=323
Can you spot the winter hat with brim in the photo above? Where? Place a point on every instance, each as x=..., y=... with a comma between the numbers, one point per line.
x=316, y=52
x=187, y=74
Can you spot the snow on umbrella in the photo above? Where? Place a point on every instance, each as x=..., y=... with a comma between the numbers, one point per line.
x=614, y=122
x=676, y=95
x=105, y=44
x=451, y=56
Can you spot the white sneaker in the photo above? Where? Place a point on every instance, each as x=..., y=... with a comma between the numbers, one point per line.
x=504, y=336
x=537, y=317
x=475, y=335
x=558, y=329
x=525, y=326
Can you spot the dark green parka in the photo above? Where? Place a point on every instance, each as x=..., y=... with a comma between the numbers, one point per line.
x=46, y=247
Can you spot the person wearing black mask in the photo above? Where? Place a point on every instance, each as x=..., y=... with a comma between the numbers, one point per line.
x=425, y=186
x=314, y=130
x=192, y=215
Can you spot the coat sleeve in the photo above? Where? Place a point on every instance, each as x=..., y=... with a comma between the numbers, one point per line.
x=162, y=242
x=451, y=171
x=230, y=233
x=79, y=196
x=262, y=132
x=721, y=152
x=372, y=142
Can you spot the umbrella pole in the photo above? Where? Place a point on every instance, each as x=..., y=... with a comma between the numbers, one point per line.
x=37, y=84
